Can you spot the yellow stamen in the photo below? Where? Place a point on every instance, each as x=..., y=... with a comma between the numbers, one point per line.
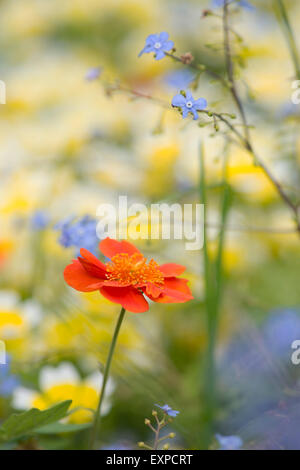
x=134, y=270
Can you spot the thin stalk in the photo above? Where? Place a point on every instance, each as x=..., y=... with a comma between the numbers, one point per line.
x=209, y=372
x=202, y=191
x=223, y=226
x=289, y=35
x=105, y=377
x=213, y=273
x=199, y=68
x=246, y=140
x=230, y=69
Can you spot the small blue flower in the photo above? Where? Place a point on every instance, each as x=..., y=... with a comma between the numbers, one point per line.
x=241, y=3
x=180, y=79
x=229, y=442
x=116, y=446
x=187, y=104
x=168, y=410
x=8, y=381
x=93, y=73
x=158, y=44
x=39, y=220
x=78, y=233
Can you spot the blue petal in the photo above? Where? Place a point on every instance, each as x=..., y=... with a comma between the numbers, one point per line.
x=142, y=52
x=159, y=55
x=195, y=114
x=152, y=39
x=148, y=48
x=163, y=37
x=166, y=408
x=178, y=100
x=185, y=112
x=200, y=104
x=168, y=45
x=189, y=96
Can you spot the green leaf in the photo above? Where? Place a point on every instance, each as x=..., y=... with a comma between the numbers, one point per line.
x=60, y=428
x=22, y=424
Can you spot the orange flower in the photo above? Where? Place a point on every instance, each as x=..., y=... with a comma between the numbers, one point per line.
x=127, y=277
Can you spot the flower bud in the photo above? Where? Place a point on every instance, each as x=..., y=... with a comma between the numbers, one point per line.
x=186, y=58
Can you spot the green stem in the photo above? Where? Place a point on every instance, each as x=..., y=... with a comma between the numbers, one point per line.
x=226, y=200
x=209, y=371
x=282, y=13
x=213, y=290
x=105, y=377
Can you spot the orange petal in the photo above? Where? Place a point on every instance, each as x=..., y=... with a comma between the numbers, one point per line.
x=110, y=247
x=92, y=258
x=152, y=290
x=92, y=265
x=175, y=290
x=77, y=277
x=171, y=269
x=131, y=299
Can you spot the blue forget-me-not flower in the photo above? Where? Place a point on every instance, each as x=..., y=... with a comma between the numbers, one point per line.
x=229, y=442
x=78, y=233
x=168, y=410
x=187, y=104
x=158, y=44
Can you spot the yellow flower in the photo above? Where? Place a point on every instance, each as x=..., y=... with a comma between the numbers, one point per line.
x=64, y=383
x=16, y=322
x=87, y=331
x=158, y=178
x=248, y=179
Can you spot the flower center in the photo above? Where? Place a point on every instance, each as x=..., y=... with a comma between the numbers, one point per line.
x=189, y=104
x=157, y=45
x=133, y=270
